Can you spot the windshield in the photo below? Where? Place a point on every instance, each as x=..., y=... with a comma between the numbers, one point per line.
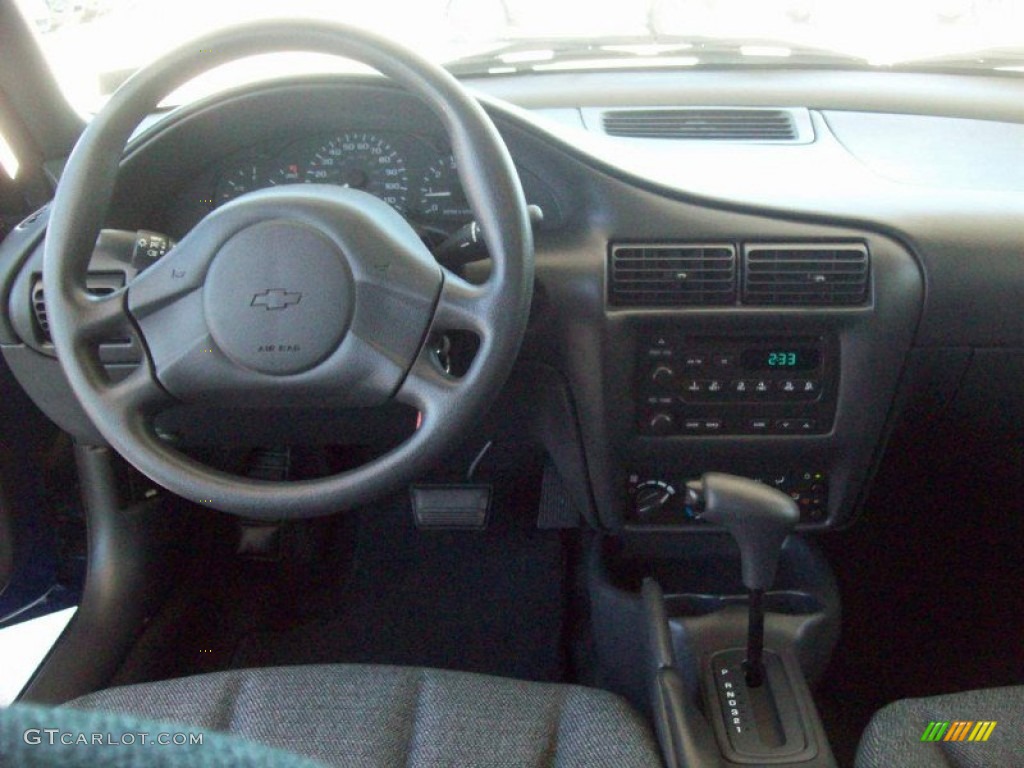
x=92, y=45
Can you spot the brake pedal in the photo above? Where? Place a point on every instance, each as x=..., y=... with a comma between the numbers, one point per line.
x=462, y=507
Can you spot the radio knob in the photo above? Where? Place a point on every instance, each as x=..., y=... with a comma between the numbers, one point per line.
x=660, y=423
x=663, y=374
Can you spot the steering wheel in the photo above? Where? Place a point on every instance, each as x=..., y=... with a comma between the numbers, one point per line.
x=290, y=296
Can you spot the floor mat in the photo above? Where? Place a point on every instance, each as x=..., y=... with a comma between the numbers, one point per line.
x=489, y=601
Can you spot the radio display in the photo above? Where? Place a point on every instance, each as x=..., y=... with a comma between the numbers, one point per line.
x=781, y=359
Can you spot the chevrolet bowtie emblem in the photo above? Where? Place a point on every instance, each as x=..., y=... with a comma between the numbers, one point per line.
x=275, y=298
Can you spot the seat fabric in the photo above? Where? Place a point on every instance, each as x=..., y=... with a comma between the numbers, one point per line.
x=893, y=737
x=353, y=715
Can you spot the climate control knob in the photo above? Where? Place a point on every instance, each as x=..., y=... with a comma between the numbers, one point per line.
x=652, y=496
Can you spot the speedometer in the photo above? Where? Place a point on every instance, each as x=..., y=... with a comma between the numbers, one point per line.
x=362, y=161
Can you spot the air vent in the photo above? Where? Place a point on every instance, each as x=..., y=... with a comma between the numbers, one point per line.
x=39, y=308
x=98, y=284
x=709, y=124
x=805, y=275
x=672, y=275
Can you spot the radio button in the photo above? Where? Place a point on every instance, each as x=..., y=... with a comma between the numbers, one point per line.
x=724, y=360
x=660, y=347
x=693, y=386
x=789, y=387
x=808, y=387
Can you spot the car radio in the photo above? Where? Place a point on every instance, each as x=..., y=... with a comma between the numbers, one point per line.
x=715, y=385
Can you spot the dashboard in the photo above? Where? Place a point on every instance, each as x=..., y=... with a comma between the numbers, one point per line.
x=886, y=268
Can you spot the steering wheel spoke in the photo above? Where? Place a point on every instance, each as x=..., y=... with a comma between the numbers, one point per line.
x=138, y=392
x=462, y=306
x=427, y=388
x=102, y=318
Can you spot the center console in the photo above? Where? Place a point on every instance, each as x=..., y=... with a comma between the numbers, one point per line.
x=708, y=716
x=700, y=338
x=697, y=336
x=796, y=395
x=680, y=367
x=669, y=621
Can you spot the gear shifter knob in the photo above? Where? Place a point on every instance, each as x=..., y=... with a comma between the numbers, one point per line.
x=757, y=516
x=759, y=519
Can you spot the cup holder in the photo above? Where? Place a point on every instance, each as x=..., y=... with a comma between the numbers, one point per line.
x=705, y=604
x=710, y=566
x=786, y=602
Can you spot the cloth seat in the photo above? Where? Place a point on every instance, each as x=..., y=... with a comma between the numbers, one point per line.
x=894, y=735
x=352, y=715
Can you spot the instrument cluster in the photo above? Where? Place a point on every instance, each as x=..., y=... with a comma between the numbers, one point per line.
x=415, y=174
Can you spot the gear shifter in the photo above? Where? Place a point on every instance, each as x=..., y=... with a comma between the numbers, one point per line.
x=759, y=519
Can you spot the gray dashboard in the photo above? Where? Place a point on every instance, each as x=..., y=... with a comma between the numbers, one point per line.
x=939, y=217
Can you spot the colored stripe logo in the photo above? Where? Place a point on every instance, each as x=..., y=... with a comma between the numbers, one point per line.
x=959, y=730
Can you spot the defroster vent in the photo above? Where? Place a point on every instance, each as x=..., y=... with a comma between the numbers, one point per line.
x=672, y=275
x=805, y=275
x=704, y=124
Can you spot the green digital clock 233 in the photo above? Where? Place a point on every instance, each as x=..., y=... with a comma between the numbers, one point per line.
x=781, y=358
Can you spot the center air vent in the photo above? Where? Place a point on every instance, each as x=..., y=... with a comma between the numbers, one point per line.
x=672, y=275
x=802, y=275
x=709, y=124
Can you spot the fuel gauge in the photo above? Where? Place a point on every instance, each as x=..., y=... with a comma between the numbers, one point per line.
x=440, y=194
x=239, y=180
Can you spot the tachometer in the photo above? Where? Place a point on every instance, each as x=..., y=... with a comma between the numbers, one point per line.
x=440, y=194
x=362, y=161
